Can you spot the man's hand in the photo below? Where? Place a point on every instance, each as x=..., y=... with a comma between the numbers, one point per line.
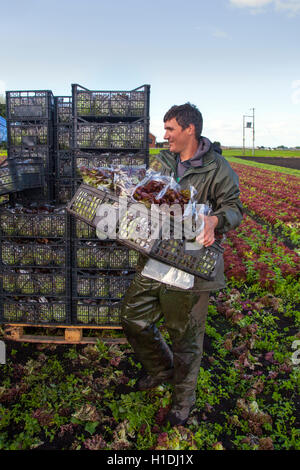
x=207, y=236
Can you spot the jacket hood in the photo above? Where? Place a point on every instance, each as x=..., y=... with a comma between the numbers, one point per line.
x=169, y=159
x=217, y=147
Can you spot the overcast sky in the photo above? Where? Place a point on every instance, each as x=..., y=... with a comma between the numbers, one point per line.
x=225, y=56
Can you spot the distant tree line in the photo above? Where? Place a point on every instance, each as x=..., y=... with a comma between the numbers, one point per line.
x=280, y=147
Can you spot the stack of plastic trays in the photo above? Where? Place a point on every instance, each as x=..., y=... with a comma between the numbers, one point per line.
x=35, y=282
x=110, y=128
x=30, y=135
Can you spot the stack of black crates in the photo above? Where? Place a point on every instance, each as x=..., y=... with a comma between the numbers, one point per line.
x=109, y=128
x=30, y=135
x=34, y=232
x=63, y=133
x=55, y=270
x=35, y=265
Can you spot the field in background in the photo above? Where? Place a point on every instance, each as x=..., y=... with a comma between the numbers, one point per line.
x=262, y=153
x=231, y=156
x=264, y=166
x=258, y=153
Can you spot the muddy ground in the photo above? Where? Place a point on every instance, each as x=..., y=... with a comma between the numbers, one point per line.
x=286, y=162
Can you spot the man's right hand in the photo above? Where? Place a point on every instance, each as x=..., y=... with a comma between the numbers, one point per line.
x=207, y=236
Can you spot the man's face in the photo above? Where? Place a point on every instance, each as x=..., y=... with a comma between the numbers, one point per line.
x=177, y=137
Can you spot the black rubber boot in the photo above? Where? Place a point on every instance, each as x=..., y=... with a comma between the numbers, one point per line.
x=178, y=416
x=150, y=381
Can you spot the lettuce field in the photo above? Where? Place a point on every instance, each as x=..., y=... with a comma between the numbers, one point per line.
x=84, y=397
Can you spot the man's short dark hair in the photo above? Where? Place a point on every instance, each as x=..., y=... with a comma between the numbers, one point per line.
x=186, y=114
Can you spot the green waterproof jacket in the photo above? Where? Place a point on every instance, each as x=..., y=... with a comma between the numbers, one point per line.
x=217, y=185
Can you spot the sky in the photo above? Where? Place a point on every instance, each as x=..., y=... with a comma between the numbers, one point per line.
x=225, y=56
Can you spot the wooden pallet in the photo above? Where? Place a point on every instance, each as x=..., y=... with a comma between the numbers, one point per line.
x=72, y=334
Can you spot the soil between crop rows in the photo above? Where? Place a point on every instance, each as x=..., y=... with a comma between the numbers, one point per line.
x=64, y=440
x=286, y=162
x=278, y=233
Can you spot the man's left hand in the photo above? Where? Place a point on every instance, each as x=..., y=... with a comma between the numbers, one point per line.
x=207, y=236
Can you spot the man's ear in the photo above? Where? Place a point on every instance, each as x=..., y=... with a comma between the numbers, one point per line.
x=191, y=129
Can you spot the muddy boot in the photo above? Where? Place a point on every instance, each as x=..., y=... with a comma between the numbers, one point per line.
x=178, y=415
x=150, y=381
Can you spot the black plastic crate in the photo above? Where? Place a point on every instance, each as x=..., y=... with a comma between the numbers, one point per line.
x=30, y=173
x=39, y=281
x=103, y=256
x=43, y=194
x=180, y=253
x=43, y=154
x=96, y=312
x=111, y=104
x=87, y=200
x=63, y=109
x=95, y=285
x=36, y=223
x=18, y=174
x=34, y=254
x=29, y=105
x=26, y=135
x=91, y=135
x=109, y=159
x=35, y=310
x=68, y=163
x=136, y=232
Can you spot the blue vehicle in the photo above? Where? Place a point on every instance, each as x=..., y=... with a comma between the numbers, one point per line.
x=3, y=130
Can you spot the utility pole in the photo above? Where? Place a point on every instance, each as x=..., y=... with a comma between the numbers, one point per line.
x=243, y=135
x=249, y=125
x=253, y=135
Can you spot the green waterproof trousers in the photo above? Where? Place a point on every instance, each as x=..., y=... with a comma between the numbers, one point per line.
x=184, y=313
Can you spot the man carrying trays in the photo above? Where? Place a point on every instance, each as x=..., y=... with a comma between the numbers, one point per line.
x=194, y=161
